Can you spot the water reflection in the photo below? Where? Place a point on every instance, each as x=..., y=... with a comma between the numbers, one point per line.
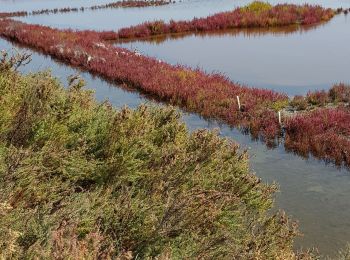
x=246, y=32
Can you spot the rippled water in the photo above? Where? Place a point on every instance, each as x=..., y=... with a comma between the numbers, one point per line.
x=290, y=61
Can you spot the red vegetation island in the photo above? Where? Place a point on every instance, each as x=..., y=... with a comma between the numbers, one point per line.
x=257, y=14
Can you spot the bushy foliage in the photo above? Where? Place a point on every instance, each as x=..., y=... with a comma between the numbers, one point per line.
x=256, y=14
x=317, y=98
x=338, y=95
x=80, y=180
x=257, y=7
x=299, y=102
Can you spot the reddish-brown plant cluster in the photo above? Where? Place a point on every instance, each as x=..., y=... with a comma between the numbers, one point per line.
x=119, y=4
x=339, y=93
x=257, y=14
x=211, y=95
x=13, y=14
x=324, y=132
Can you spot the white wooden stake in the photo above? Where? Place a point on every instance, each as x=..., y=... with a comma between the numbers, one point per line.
x=239, y=103
x=279, y=118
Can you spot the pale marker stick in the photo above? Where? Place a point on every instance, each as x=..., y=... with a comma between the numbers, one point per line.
x=239, y=103
x=279, y=118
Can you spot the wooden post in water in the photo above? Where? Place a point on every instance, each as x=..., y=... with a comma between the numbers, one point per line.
x=239, y=103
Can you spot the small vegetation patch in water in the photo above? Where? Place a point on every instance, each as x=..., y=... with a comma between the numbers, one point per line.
x=257, y=14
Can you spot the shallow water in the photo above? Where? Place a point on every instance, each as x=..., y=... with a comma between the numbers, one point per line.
x=293, y=62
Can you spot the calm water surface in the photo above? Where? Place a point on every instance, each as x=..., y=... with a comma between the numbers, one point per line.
x=113, y=19
x=290, y=61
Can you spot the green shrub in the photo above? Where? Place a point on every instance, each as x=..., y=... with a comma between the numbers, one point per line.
x=81, y=180
x=257, y=7
x=279, y=105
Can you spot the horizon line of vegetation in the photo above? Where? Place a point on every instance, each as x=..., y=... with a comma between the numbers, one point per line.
x=118, y=4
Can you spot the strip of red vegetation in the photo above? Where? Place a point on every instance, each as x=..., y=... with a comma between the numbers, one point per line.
x=257, y=14
x=211, y=95
x=325, y=133
x=13, y=14
x=120, y=4
x=322, y=128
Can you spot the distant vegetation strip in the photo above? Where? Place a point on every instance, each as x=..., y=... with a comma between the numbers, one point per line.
x=211, y=95
x=81, y=180
x=119, y=4
x=257, y=14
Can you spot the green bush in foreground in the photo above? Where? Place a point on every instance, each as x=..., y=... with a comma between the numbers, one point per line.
x=81, y=180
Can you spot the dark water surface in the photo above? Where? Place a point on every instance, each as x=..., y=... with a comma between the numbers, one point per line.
x=292, y=61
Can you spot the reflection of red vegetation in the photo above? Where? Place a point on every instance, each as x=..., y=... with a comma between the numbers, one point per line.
x=255, y=15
